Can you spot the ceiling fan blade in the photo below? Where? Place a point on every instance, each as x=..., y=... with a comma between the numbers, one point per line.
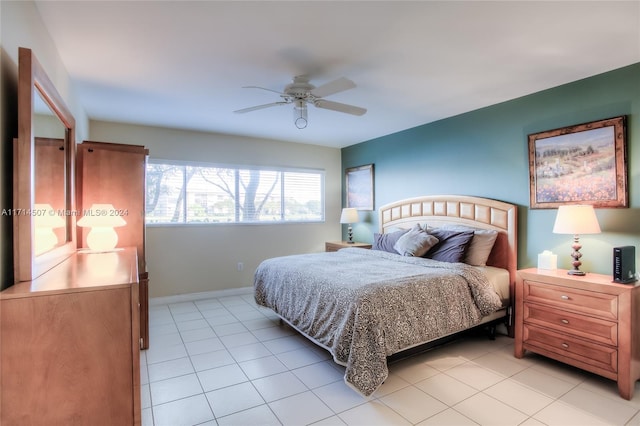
x=262, y=88
x=332, y=87
x=337, y=106
x=257, y=107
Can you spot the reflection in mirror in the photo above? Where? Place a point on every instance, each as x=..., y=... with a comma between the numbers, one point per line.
x=43, y=205
x=50, y=192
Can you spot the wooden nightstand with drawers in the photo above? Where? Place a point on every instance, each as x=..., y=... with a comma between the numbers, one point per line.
x=585, y=321
x=337, y=245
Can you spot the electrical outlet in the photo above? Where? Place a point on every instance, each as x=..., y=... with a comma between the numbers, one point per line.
x=240, y=266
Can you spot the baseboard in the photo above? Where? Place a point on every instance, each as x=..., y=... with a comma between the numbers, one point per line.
x=190, y=297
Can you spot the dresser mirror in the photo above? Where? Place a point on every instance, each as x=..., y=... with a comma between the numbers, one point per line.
x=44, y=209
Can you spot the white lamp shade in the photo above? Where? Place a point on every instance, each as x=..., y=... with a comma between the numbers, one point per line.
x=101, y=215
x=349, y=215
x=576, y=219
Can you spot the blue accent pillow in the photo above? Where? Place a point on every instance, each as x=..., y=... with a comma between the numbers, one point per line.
x=385, y=242
x=452, y=246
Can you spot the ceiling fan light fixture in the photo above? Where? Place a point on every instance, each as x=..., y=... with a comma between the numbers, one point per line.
x=300, y=114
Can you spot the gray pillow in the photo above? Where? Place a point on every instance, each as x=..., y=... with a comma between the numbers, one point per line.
x=385, y=242
x=416, y=242
x=452, y=246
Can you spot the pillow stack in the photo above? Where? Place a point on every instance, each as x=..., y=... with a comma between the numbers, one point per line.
x=450, y=243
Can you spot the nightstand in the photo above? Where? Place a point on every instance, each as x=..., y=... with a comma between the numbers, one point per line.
x=337, y=245
x=585, y=321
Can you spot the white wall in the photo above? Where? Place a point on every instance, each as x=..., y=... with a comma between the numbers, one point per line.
x=197, y=258
x=21, y=26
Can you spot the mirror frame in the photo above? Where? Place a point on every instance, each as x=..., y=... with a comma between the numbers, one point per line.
x=32, y=77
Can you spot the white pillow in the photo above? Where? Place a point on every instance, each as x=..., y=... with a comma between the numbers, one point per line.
x=481, y=244
x=416, y=242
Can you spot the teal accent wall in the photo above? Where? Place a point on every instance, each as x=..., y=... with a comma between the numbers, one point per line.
x=484, y=153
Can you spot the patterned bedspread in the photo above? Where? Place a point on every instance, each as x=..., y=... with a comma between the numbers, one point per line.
x=364, y=305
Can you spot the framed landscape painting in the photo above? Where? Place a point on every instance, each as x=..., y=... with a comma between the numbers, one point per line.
x=359, y=182
x=581, y=164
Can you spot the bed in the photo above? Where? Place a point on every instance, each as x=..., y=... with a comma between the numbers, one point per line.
x=365, y=306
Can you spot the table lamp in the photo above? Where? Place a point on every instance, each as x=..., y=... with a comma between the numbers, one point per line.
x=44, y=222
x=102, y=218
x=576, y=219
x=349, y=216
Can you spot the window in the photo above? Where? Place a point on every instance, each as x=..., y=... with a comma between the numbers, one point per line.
x=179, y=192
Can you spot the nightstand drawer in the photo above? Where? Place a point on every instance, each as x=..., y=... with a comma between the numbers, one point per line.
x=583, y=326
x=586, y=355
x=597, y=304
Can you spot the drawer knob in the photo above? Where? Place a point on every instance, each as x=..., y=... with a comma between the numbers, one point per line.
x=564, y=321
x=564, y=345
x=564, y=297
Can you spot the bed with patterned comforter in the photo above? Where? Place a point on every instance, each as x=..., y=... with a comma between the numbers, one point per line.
x=365, y=305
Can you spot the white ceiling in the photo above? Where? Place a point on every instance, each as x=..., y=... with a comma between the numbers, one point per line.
x=182, y=64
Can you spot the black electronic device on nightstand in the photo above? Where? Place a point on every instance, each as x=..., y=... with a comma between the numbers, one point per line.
x=624, y=264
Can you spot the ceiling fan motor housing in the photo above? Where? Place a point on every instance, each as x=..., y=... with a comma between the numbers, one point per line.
x=300, y=88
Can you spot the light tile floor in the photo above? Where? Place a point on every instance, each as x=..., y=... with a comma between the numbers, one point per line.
x=226, y=361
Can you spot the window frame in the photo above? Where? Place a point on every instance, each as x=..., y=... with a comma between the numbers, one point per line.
x=237, y=168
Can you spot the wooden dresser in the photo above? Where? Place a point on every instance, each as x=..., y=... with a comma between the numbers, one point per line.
x=586, y=321
x=70, y=344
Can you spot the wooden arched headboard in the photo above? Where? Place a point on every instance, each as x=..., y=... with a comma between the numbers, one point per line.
x=477, y=212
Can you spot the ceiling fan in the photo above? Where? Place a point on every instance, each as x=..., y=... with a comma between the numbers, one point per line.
x=301, y=92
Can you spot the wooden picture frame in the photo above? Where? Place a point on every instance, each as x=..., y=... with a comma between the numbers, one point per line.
x=581, y=164
x=359, y=183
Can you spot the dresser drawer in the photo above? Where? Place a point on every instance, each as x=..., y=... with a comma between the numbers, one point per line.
x=602, y=305
x=586, y=327
x=589, y=356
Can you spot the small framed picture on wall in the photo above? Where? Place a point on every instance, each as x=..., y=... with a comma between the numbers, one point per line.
x=359, y=183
